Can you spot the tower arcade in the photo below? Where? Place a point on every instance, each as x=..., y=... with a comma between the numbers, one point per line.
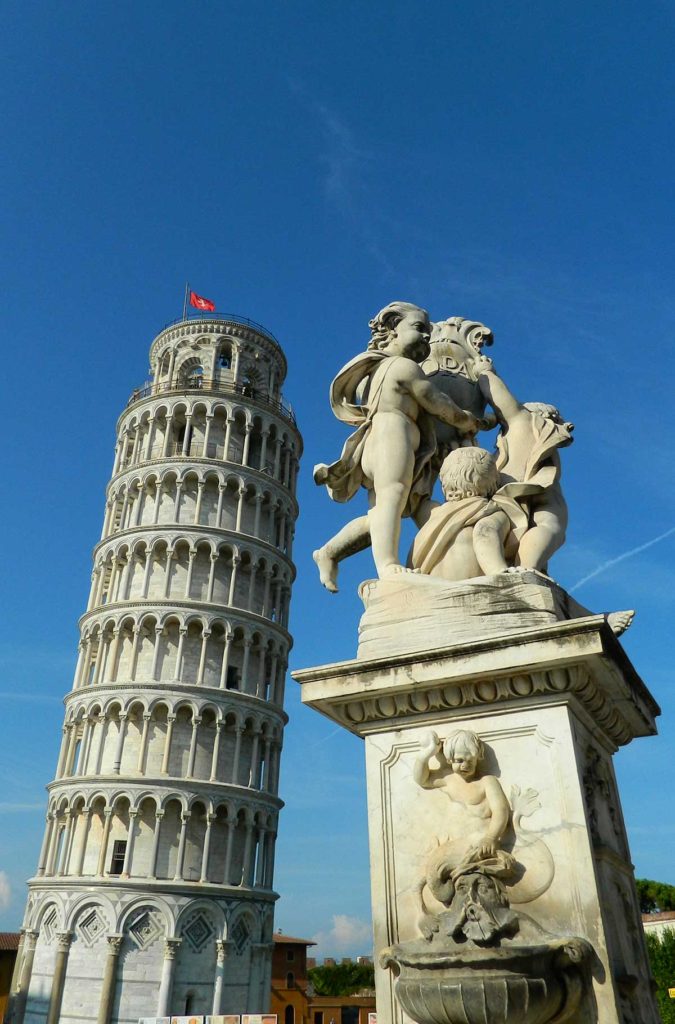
x=153, y=893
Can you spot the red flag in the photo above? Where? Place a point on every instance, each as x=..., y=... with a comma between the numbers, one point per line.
x=201, y=303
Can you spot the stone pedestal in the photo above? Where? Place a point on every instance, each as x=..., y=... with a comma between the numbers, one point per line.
x=552, y=703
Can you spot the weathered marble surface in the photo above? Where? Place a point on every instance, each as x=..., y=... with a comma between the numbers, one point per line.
x=551, y=703
x=417, y=613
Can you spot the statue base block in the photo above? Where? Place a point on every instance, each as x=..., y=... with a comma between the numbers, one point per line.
x=551, y=699
x=417, y=613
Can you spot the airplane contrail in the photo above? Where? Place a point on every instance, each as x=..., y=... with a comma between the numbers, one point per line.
x=621, y=558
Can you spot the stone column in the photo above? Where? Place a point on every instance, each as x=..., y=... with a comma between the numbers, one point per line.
x=196, y=722
x=29, y=944
x=129, y=851
x=188, y=579
x=216, y=751
x=167, y=572
x=155, y=653
x=42, y=859
x=171, y=947
x=79, y=864
x=206, y=633
x=187, y=435
x=170, y=719
x=59, y=977
x=182, y=633
x=155, y=843
x=176, y=506
x=235, y=760
x=222, y=949
x=219, y=511
x=228, y=438
x=240, y=508
x=233, y=579
x=107, y=821
x=259, y=878
x=269, y=859
x=180, y=856
x=231, y=829
x=251, y=584
x=109, y=976
x=198, y=502
x=263, y=451
x=253, y=768
x=226, y=660
x=244, y=666
x=247, y=865
x=258, y=511
x=212, y=576
x=207, y=432
x=119, y=746
x=90, y=725
x=210, y=818
x=144, y=742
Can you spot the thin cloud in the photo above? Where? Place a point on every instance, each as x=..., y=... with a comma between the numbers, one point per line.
x=621, y=558
x=347, y=935
x=344, y=184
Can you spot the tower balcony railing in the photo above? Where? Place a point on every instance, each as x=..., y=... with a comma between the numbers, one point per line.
x=225, y=387
x=228, y=318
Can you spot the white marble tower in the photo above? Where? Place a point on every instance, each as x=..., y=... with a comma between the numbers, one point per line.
x=153, y=893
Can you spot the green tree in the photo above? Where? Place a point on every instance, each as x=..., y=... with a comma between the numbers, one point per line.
x=655, y=895
x=341, y=979
x=661, y=950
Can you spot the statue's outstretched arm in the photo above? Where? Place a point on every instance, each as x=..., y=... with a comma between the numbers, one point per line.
x=505, y=404
x=438, y=404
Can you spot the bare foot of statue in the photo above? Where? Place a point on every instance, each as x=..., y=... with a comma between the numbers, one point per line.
x=391, y=571
x=619, y=622
x=328, y=569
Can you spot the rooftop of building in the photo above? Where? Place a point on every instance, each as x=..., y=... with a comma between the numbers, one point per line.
x=291, y=940
x=9, y=940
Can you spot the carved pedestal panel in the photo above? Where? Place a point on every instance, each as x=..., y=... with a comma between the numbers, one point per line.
x=496, y=832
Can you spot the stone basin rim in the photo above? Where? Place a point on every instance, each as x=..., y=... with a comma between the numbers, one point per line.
x=574, y=948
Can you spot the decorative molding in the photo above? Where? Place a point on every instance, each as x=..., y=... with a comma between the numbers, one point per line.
x=362, y=710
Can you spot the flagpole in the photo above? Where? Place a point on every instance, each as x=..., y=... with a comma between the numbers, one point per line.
x=185, y=300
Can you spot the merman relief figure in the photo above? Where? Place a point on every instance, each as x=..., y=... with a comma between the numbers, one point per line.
x=489, y=861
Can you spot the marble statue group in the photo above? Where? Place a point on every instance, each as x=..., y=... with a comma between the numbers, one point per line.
x=418, y=397
x=477, y=678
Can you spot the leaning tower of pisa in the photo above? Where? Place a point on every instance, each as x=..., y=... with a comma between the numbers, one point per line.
x=153, y=893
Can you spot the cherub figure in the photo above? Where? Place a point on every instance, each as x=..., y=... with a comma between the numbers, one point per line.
x=475, y=533
x=466, y=874
x=457, y=773
x=529, y=465
x=385, y=394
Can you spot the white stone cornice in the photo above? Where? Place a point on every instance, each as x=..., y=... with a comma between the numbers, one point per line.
x=186, y=462
x=227, y=700
x=172, y=532
x=165, y=787
x=160, y=607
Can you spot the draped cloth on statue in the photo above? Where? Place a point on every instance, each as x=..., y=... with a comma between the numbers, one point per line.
x=447, y=521
x=354, y=397
x=546, y=438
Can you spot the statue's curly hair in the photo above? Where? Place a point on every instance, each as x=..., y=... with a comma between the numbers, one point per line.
x=466, y=738
x=384, y=322
x=467, y=472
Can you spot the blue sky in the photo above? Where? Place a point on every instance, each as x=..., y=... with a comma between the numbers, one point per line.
x=304, y=164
